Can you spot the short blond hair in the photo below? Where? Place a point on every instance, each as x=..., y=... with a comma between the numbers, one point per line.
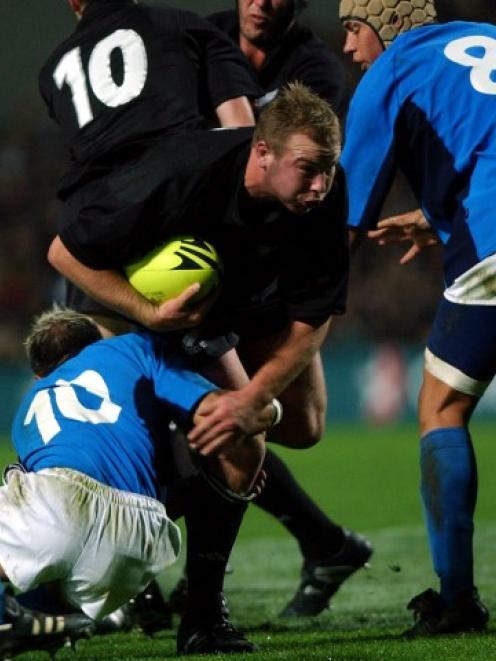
x=57, y=335
x=296, y=109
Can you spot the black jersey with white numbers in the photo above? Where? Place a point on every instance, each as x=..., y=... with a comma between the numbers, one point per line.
x=132, y=70
x=193, y=183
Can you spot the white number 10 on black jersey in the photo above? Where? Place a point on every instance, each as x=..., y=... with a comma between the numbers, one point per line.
x=69, y=71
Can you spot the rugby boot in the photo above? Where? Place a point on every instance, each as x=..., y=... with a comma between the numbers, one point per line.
x=24, y=629
x=321, y=579
x=210, y=631
x=151, y=611
x=433, y=617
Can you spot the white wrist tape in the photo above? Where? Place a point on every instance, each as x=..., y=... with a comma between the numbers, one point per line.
x=277, y=412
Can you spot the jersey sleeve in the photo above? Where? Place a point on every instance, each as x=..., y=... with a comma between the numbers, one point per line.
x=225, y=73
x=369, y=158
x=178, y=387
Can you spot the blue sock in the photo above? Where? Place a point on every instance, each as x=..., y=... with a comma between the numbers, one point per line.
x=449, y=492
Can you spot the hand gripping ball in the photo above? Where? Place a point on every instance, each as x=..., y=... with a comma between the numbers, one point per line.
x=170, y=268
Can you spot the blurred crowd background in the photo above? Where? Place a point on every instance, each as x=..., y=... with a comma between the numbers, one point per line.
x=390, y=306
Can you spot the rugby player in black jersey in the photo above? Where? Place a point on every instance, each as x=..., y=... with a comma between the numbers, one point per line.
x=267, y=204
x=128, y=74
x=280, y=50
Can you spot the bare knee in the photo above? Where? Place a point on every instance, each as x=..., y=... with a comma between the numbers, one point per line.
x=441, y=406
x=300, y=429
x=239, y=467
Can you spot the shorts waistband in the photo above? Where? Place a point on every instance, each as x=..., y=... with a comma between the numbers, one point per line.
x=111, y=494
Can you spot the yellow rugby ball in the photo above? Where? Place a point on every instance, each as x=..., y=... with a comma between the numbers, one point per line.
x=170, y=268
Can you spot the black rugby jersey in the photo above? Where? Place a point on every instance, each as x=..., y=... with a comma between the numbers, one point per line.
x=299, y=55
x=194, y=183
x=131, y=70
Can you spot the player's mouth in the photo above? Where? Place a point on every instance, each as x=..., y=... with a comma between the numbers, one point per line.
x=259, y=21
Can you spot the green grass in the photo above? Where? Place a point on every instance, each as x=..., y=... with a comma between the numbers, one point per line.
x=365, y=478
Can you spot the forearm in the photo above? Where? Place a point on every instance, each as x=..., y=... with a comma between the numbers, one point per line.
x=235, y=112
x=294, y=353
x=108, y=287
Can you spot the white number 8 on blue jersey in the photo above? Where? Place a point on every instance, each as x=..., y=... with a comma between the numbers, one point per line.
x=482, y=68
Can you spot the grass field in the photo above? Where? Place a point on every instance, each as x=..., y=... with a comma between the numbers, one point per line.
x=366, y=478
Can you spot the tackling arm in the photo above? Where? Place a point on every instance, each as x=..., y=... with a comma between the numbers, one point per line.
x=240, y=411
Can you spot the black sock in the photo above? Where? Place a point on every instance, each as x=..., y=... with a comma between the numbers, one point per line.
x=212, y=525
x=317, y=536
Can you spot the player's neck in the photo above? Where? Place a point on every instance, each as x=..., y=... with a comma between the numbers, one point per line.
x=255, y=54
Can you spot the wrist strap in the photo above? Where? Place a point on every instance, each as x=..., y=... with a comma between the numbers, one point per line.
x=277, y=406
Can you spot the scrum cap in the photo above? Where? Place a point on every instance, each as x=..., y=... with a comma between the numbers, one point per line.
x=382, y=15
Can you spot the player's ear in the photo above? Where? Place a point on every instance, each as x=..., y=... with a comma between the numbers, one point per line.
x=262, y=151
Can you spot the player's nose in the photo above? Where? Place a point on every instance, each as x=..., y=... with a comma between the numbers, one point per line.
x=349, y=43
x=320, y=185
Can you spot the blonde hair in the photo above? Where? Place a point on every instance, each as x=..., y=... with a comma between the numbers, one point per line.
x=56, y=335
x=296, y=109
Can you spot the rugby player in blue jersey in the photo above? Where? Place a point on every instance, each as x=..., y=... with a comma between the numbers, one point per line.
x=82, y=510
x=427, y=105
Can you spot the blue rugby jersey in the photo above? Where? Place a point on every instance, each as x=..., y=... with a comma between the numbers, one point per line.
x=100, y=412
x=428, y=105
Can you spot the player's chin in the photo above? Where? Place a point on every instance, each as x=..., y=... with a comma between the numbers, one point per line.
x=299, y=208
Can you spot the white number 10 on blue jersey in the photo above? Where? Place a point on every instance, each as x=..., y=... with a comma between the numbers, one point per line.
x=69, y=406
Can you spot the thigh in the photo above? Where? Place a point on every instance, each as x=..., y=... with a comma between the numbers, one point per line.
x=304, y=404
x=307, y=390
x=304, y=400
x=442, y=406
x=130, y=540
x=461, y=350
x=460, y=362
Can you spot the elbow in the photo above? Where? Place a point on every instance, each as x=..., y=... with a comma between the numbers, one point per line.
x=52, y=254
x=55, y=255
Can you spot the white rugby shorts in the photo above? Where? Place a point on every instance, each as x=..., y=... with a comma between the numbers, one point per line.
x=102, y=545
